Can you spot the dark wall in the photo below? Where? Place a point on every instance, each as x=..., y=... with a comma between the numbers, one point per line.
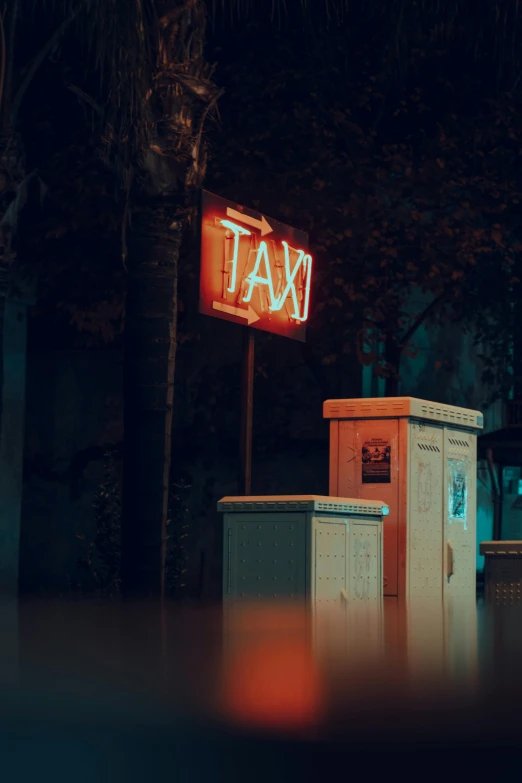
x=74, y=414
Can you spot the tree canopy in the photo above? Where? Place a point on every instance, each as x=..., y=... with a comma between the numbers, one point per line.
x=409, y=189
x=391, y=130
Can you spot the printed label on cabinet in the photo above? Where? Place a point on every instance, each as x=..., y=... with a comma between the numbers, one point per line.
x=458, y=489
x=376, y=461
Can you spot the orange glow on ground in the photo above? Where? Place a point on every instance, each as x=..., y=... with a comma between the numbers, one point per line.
x=274, y=684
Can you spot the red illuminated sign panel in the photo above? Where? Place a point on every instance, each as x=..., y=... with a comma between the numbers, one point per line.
x=254, y=270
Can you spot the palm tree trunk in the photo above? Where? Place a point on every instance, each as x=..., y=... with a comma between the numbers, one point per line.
x=149, y=357
x=13, y=334
x=2, y=314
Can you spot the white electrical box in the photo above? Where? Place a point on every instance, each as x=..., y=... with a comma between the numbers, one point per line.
x=420, y=458
x=322, y=550
x=435, y=641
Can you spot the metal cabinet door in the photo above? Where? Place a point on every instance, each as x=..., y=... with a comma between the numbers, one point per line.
x=362, y=475
x=329, y=559
x=329, y=581
x=265, y=556
x=365, y=563
x=347, y=590
x=366, y=590
x=425, y=535
x=460, y=511
x=461, y=640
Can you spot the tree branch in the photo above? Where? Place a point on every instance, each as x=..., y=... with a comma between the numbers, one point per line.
x=316, y=370
x=83, y=96
x=422, y=317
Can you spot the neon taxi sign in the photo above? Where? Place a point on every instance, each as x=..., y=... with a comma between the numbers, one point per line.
x=255, y=271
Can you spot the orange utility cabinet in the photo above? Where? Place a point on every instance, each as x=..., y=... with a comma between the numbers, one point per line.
x=420, y=459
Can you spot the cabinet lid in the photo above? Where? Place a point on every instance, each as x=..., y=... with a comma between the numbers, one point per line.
x=324, y=503
x=501, y=548
x=403, y=407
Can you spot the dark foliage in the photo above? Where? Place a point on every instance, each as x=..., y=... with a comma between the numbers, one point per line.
x=100, y=565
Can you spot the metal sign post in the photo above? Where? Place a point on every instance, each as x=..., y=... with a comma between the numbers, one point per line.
x=255, y=272
x=247, y=409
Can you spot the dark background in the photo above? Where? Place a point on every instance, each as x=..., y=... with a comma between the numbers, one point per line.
x=395, y=147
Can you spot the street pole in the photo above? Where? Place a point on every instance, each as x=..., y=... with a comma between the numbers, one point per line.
x=247, y=405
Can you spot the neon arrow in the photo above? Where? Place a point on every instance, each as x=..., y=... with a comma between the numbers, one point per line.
x=249, y=315
x=263, y=225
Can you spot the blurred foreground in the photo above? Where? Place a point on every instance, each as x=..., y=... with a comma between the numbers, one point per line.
x=260, y=692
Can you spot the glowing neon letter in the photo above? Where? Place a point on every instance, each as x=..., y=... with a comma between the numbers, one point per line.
x=238, y=231
x=255, y=279
x=305, y=261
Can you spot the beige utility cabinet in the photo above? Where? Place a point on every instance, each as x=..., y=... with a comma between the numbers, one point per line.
x=502, y=572
x=322, y=550
x=420, y=459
